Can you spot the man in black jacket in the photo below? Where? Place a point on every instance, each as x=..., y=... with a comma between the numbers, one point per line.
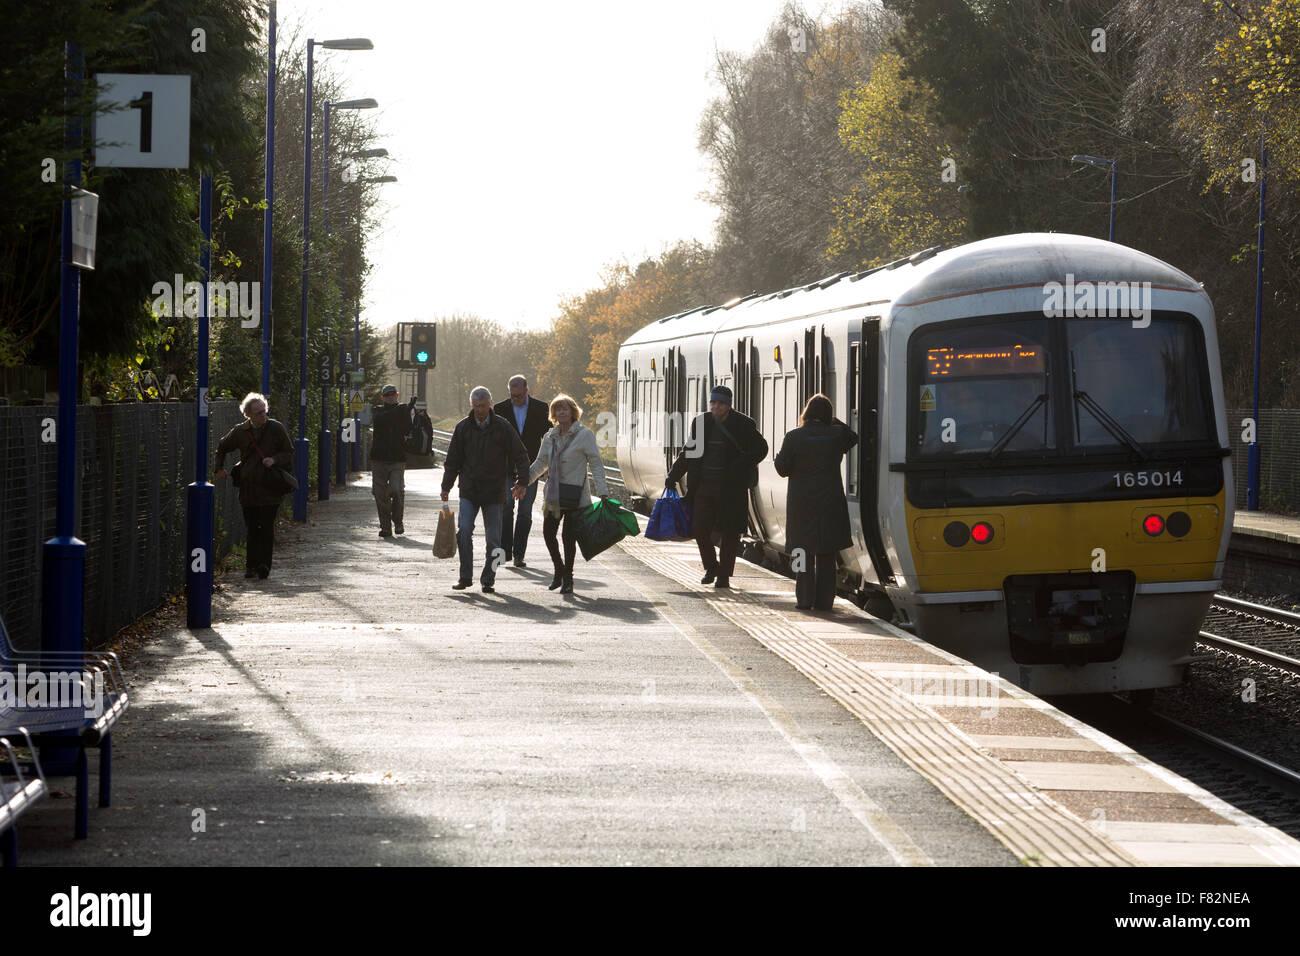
x=719, y=470
x=390, y=422
x=484, y=452
x=531, y=418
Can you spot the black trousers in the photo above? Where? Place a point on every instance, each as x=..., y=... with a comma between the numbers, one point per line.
x=704, y=516
x=815, y=586
x=550, y=524
x=260, y=522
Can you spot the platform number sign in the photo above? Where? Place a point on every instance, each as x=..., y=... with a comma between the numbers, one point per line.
x=325, y=369
x=144, y=121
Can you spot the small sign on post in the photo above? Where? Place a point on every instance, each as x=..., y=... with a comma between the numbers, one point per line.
x=148, y=126
x=356, y=403
x=325, y=369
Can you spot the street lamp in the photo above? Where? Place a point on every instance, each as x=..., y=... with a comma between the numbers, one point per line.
x=356, y=327
x=302, y=446
x=323, y=438
x=1111, y=164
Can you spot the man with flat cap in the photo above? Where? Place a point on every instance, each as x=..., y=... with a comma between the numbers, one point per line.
x=390, y=422
x=719, y=468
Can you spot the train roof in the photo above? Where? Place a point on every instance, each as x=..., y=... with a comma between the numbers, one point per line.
x=1021, y=260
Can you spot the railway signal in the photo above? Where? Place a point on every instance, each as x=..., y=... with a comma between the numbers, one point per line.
x=417, y=344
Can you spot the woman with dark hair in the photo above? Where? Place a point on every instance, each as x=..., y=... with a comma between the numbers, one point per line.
x=567, y=451
x=816, y=512
x=263, y=443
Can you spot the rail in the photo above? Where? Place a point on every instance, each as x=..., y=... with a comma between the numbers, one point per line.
x=613, y=476
x=1238, y=613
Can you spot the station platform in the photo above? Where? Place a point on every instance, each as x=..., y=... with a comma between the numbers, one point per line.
x=1262, y=524
x=353, y=710
x=1264, y=556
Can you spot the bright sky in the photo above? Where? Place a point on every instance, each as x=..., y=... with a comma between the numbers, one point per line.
x=533, y=142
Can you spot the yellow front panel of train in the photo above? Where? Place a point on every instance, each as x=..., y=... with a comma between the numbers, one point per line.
x=1065, y=537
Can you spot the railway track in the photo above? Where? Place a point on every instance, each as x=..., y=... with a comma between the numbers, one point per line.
x=1265, y=635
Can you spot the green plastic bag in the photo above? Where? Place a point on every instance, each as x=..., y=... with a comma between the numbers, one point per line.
x=602, y=526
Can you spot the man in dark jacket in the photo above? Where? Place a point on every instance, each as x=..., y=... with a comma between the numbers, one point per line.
x=531, y=419
x=816, y=512
x=390, y=422
x=484, y=452
x=262, y=443
x=719, y=470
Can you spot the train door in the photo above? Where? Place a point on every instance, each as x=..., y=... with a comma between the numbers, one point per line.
x=634, y=426
x=812, y=364
x=676, y=415
x=861, y=484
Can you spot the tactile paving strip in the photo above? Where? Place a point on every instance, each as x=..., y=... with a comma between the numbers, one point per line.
x=1032, y=826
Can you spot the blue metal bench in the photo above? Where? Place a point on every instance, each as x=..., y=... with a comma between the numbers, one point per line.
x=68, y=726
x=18, y=791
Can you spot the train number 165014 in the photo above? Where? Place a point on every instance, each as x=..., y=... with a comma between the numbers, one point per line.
x=1147, y=479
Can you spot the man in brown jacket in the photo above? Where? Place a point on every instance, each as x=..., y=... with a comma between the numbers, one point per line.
x=262, y=443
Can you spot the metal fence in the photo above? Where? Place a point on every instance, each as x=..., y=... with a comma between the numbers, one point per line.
x=1279, y=464
x=135, y=463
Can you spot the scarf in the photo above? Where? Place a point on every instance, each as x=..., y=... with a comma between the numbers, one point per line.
x=558, y=447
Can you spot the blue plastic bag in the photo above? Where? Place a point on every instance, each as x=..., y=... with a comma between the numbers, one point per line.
x=670, y=520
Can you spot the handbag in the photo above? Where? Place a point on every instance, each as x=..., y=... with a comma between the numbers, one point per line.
x=278, y=480
x=444, y=539
x=570, y=496
x=750, y=478
x=670, y=520
x=602, y=526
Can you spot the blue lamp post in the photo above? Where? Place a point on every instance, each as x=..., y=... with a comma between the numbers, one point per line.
x=323, y=439
x=269, y=195
x=64, y=555
x=302, y=446
x=341, y=470
x=1252, y=452
x=356, y=327
x=1113, y=166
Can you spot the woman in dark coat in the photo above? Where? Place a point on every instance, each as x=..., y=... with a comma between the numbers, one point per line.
x=816, y=512
x=262, y=443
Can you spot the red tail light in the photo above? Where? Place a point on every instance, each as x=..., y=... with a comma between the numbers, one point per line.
x=981, y=532
x=1153, y=525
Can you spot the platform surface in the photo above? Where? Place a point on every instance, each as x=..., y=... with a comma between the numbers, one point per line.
x=353, y=709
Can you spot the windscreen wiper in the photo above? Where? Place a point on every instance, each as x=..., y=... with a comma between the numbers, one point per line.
x=1107, y=422
x=1019, y=423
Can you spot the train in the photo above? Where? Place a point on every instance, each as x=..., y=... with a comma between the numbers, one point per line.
x=1042, y=484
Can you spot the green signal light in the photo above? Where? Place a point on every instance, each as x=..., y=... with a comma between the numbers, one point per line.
x=422, y=356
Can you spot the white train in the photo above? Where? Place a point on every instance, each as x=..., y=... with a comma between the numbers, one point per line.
x=1042, y=484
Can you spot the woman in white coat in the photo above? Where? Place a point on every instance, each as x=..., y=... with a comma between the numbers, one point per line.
x=566, y=452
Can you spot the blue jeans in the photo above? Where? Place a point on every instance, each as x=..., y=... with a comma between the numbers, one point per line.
x=514, y=536
x=465, y=539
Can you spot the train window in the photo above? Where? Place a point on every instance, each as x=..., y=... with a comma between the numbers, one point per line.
x=1151, y=381
x=974, y=383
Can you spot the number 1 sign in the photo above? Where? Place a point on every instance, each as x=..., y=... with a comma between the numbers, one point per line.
x=148, y=123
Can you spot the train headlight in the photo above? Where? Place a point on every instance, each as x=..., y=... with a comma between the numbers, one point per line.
x=955, y=534
x=1153, y=525
x=1179, y=523
x=981, y=532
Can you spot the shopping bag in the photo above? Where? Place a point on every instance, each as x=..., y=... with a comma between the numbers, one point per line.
x=670, y=520
x=602, y=526
x=444, y=540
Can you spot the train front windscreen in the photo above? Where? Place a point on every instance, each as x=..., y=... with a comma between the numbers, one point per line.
x=1077, y=396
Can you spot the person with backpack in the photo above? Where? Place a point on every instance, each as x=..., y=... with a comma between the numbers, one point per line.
x=391, y=423
x=720, y=465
